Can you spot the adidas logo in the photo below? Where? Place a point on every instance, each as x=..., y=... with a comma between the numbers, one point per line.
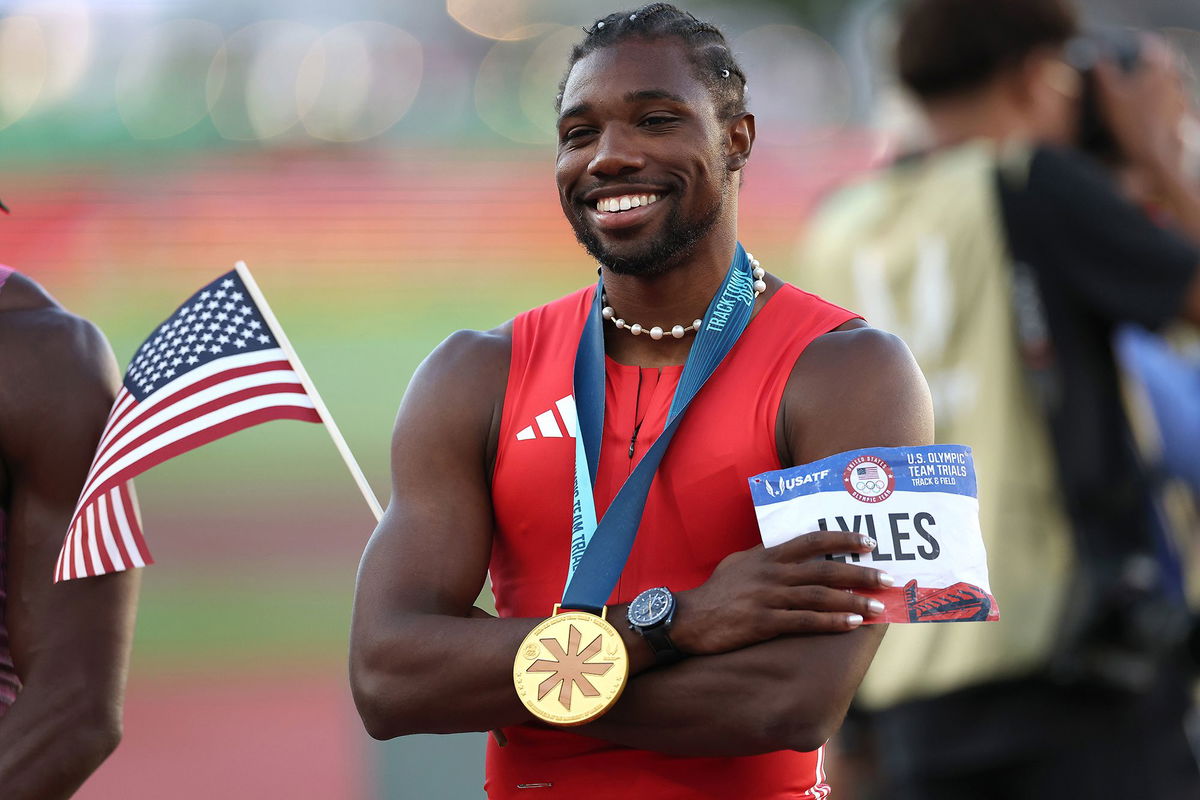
x=549, y=425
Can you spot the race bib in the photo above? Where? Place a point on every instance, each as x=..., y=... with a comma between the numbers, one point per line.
x=920, y=504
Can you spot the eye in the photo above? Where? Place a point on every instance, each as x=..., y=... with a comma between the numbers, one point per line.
x=576, y=133
x=659, y=120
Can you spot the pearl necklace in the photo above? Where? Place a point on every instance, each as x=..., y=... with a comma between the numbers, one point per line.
x=677, y=331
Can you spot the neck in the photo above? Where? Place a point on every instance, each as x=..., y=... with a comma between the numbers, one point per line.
x=986, y=115
x=675, y=298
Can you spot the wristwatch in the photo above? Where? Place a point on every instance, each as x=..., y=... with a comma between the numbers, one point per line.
x=650, y=614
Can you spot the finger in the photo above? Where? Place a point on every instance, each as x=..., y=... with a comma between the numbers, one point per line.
x=824, y=598
x=793, y=622
x=835, y=573
x=820, y=543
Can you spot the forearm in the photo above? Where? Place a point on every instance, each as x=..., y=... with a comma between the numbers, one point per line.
x=49, y=745
x=439, y=674
x=789, y=693
x=459, y=679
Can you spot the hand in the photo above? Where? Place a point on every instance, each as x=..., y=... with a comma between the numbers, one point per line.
x=1144, y=108
x=758, y=594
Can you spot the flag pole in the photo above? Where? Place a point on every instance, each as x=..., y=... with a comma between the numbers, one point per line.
x=338, y=440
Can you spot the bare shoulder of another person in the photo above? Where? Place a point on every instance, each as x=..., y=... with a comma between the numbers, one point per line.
x=49, y=358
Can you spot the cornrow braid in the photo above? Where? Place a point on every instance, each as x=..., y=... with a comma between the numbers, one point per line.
x=708, y=50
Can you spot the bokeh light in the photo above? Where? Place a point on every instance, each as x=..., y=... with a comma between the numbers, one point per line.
x=161, y=81
x=23, y=61
x=66, y=32
x=358, y=80
x=252, y=82
x=541, y=76
x=506, y=20
x=797, y=83
x=522, y=65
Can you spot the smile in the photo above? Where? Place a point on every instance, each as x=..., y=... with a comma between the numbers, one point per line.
x=626, y=202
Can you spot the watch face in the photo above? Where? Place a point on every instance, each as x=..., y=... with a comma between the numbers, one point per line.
x=650, y=607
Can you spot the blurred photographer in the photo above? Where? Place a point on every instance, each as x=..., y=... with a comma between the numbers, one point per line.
x=1007, y=256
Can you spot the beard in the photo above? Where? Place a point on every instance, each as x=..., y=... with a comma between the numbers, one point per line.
x=660, y=254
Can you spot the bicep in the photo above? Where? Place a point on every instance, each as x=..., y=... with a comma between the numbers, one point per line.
x=429, y=553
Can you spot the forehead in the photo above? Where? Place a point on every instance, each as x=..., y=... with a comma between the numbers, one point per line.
x=610, y=74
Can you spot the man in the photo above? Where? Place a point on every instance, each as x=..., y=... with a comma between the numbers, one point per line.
x=653, y=135
x=1007, y=261
x=64, y=648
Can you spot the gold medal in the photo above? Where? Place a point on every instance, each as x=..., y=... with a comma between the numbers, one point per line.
x=571, y=668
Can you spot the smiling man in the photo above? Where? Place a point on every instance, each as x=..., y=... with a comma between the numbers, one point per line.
x=736, y=662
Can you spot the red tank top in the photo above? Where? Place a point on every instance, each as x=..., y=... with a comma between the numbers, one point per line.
x=698, y=511
x=9, y=683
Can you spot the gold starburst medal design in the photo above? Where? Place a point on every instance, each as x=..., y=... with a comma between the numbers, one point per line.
x=571, y=668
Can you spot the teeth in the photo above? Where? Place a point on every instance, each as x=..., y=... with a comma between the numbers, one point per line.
x=616, y=204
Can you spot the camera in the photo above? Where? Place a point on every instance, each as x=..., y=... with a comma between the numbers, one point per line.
x=1122, y=47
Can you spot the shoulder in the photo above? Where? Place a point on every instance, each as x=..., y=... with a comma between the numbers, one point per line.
x=463, y=379
x=859, y=354
x=50, y=361
x=470, y=356
x=43, y=343
x=21, y=293
x=853, y=387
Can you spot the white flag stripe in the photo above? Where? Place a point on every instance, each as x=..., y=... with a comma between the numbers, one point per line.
x=93, y=553
x=126, y=530
x=293, y=399
x=58, y=573
x=123, y=402
x=77, y=550
x=162, y=396
x=138, y=424
x=110, y=544
x=64, y=555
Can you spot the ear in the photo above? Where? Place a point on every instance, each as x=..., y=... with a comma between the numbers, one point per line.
x=740, y=140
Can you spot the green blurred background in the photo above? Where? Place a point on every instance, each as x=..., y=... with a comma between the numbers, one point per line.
x=385, y=168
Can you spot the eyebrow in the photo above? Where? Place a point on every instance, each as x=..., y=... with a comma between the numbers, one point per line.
x=653, y=94
x=638, y=96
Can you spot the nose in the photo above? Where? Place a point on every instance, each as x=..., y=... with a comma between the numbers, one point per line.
x=616, y=153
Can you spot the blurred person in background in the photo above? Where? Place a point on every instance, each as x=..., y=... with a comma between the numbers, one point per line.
x=64, y=648
x=1006, y=256
x=653, y=136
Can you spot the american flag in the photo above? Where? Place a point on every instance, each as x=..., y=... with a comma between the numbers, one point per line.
x=869, y=472
x=212, y=369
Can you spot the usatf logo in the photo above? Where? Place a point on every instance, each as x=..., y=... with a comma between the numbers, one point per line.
x=869, y=479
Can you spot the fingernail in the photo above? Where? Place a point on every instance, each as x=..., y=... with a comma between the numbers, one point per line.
x=875, y=606
x=886, y=579
x=867, y=541
x=854, y=620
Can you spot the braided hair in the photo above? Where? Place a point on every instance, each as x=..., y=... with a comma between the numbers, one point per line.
x=707, y=50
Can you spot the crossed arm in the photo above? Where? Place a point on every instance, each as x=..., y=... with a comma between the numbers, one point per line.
x=776, y=653
x=70, y=642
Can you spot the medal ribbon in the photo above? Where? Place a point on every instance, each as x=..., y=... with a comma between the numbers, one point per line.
x=599, y=550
